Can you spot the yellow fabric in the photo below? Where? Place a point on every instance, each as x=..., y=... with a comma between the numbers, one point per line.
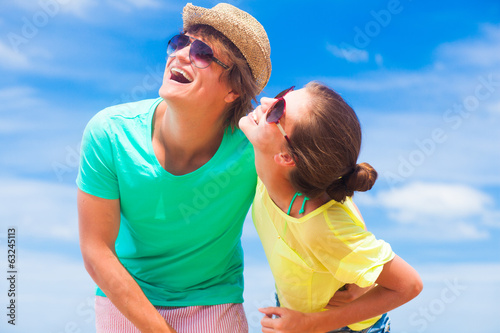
x=313, y=256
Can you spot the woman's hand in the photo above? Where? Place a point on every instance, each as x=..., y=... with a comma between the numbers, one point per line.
x=287, y=321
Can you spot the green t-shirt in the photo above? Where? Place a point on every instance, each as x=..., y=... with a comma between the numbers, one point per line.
x=179, y=235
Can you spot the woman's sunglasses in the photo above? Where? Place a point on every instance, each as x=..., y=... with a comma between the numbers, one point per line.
x=200, y=54
x=277, y=110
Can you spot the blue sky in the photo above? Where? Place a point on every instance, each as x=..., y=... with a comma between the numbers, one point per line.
x=423, y=76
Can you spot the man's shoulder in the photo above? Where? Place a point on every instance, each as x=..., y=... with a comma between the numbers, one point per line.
x=117, y=114
x=129, y=110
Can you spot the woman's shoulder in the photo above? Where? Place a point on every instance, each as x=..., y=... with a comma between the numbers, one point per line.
x=345, y=213
x=336, y=219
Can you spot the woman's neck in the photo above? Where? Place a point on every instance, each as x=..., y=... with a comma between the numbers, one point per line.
x=282, y=193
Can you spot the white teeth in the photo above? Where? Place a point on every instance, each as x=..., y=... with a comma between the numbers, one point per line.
x=183, y=73
x=254, y=116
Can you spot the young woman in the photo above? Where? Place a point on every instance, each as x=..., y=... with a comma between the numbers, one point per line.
x=313, y=235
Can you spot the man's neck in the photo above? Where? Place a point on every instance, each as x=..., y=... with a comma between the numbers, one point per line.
x=185, y=141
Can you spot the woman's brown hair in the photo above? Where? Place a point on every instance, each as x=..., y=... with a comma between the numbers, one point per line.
x=326, y=145
x=238, y=76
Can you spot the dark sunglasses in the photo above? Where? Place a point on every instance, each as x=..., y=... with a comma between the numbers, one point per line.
x=200, y=54
x=277, y=110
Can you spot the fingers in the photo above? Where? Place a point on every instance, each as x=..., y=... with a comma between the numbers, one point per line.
x=268, y=322
x=270, y=311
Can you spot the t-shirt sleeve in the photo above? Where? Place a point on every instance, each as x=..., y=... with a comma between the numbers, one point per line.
x=97, y=172
x=354, y=255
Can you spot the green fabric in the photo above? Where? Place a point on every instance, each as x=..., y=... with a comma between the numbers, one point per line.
x=179, y=235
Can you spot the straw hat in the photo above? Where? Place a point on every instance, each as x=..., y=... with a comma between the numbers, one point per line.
x=240, y=28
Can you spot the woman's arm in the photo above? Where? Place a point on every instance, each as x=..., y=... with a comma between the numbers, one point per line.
x=347, y=294
x=99, y=222
x=398, y=283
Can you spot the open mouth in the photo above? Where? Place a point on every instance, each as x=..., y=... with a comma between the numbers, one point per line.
x=178, y=75
x=253, y=115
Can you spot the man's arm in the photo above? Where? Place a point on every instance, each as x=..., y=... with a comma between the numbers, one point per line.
x=99, y=222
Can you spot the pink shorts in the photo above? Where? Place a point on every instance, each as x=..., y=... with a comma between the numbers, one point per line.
x=221, y=318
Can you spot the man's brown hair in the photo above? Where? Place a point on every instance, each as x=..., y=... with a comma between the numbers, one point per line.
x=238, y=76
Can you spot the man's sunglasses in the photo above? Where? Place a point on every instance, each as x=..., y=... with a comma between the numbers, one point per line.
x=277, y=110
x=200, y=54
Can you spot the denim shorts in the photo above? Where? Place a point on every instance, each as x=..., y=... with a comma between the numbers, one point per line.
x=383, y=325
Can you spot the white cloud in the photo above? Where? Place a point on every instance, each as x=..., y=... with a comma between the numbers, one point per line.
x=37, y=10
x=348, y=53
x=39, y=209
x=129, y=5
x=492, y=219
x=27, y=126
x=494, y=107
x=437, y=210
x=12, y=59
x=353, y=54
x=15, y=98
x=79, y=8
x=54, y=293
x=407, y=146
x=478, y=52
x=456, y=95
x=439, y=200
x=451, y=291
x=456, y=69
x=82, y=9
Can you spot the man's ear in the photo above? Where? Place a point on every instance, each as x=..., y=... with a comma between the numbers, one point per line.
x=284, y=159
x=231, y=96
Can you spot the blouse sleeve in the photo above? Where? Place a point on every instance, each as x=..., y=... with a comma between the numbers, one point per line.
x=349, y=252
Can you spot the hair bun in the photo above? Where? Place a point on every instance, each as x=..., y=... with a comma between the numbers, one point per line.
x=361, y=179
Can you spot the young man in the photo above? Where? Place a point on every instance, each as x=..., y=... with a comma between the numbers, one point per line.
x=165, y=184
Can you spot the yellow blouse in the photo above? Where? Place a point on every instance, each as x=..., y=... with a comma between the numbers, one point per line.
x=313, y=256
